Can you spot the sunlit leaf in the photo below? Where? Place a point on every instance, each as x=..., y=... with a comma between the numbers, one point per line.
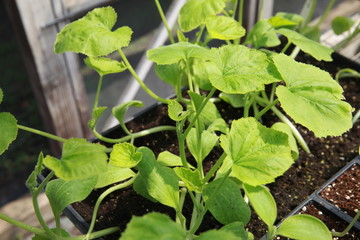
x=304, y=227
x=283, y=127
x=262, y=35
x=315, y=49
x=191, y=178
x=63, y=233
x=104, y=65
x=124, y=155
x=238, y=69
x=176, y=111
x=62, y=193
x=200, y=148
x=171, y=74
x=153, y=226
x=194, y=12
x=259, y=154
x=92, y=35
x=312, y=98
x=96, y=114
x=8, y=129
x=119, y=111
x=217, y=234
x=80, y=159
x=224, y=28
x=113, y=175
x=236, y=228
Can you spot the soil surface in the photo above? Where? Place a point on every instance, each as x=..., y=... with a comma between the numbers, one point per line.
x=309, y=172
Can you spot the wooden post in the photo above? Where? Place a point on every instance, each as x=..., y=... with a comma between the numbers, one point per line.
x=55, y=79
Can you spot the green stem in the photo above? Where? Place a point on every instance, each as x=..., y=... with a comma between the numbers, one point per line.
x=326, y=13
x=101, y=198
x=196, y=210
x=181, y=140
x=41, y=133
x=265, y=109
x=95, y=235
x=98, y=90
x=134, y=135
x=309, y=15
x=24, y=226
x=348, y=39
x=261, y=7
x=356, y=117
x=347, y=229
x=137, y=78
x=208, y=203
x=241, y=12
x=288, y=44
x=189, y=77
x=346, y=72
x=214, y=168
x=200, y=33
x=163, y=18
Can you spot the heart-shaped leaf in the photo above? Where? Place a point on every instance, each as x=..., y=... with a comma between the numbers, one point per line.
x=262, y=35
x=312, y=98
x=259, y=154
x=80, y=159
x=124, y=155
x=8, y=129
x=91, y=35
x=224, y=28
x=104, y=66
x=191, y=178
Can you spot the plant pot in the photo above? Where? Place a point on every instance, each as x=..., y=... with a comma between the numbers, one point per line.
x=326, y=209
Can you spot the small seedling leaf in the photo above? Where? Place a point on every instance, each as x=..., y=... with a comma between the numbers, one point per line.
x=315, y=49
x=80, y=159
x=96, y=114
x=262, y=202
x=91, y=35
x=312, y=98
x=304, y=227
x=191, y=178
x=228, y=205
x=124, y=155
x=200, y=148
x=175, y=111
x=217, y=234
x=262, y=35
x=236, y=228
x=224, y=28
x=8, y=129
x=238, y=69
x=104, y=66
x=119, y=112
x=161, y=183
x=171, y=74
x=194, y=12
x=31, y=182
x=259, y=154
x=341, y=24
x=153, y=226
x=62, y=193
x=173, y=53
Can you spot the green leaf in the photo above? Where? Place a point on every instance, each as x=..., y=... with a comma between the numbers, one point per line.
x=194, y=12
x=113, y=175
x=119, y=112
x=104, y=66
x=63, y=233
x=80, y=159
x=62, y=193
x=236, y=228
x=167, y=158
x=287, y=20
x=283, y=127
x=201, y=76
x=8, y=129
x=259, y=154
x=171, y=74
x=124, y=155
x=228, y=205
x=235, y=100
x=191, y=178
x=96, y=114
x=224, y=28
x=315, y=49
x=218, y=124
x=175, y=110
x=304, y=227
x=262, y=35
x=32, y=181
x=312, y=98
x=160, y=182
x=91, y=35
x=238, y=69
x=1, y=95
x=173, y=53
x=341, y=24
x=153, y=226
x=200, y=148
x=262, y=202
x=217, y=234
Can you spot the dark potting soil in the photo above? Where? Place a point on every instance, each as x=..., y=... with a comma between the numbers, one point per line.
x=309, y=171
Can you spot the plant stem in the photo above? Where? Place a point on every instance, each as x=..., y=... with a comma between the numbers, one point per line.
x=101, y=198
x=208, y=203
x=24, y=226
x=214, y=168
x=42, y=133
x=347, y=229
x=94, y=235
x=163, y=18
x=265, y=109
x=348, y=39
x=134, y=135
x=137, y=78
x=98, y=90
x=309, y=12
x=356, y=117
x=288, y=44
x=181, y=140
x=325, y=13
